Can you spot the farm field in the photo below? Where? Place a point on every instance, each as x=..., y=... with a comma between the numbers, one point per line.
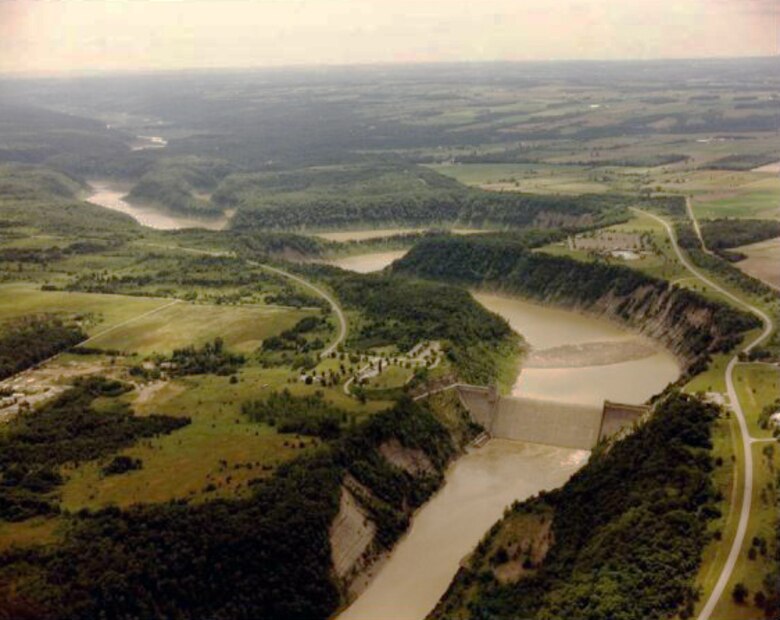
x=101, y=312
x=243, y=328
x=532, y=178
x=746, y=198
x=762, y=261
x=378, y=233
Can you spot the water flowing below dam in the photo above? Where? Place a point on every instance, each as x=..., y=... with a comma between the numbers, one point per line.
x=598, y=361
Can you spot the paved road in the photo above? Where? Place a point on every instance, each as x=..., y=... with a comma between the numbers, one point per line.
x=322, y=293
x=747, y=440
x=317, y=290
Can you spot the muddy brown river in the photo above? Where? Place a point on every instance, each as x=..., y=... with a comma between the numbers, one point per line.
x=367, y=263
x=111, y=196
x=484, y=481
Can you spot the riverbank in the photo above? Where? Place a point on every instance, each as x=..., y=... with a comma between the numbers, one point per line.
x=483, y=482
x=111, y=195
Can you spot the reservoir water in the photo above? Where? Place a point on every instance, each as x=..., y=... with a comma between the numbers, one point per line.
x=633, y=380
x=367, y=263
x=484, y=481
x=111, y=195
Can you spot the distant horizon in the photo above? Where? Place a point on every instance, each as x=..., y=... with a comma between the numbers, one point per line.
x=365, y=65
x=119, y=36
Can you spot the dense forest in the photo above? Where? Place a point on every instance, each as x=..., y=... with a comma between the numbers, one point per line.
x=721, y=234
x=390, y=193
x=266, y=556
x=405, y=312
x=626, y=533
x=25, y=342
x=674, y=315
x=181, y=184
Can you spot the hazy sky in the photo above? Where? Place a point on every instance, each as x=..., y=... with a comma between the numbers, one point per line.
x=87, y=35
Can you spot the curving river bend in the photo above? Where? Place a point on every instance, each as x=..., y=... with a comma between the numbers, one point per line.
x=484, y=481
x=574, y=358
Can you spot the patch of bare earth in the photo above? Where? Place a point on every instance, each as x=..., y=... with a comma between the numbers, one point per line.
x=351, y=535
x=525, y=545
x=37, y=385
x=412, y=460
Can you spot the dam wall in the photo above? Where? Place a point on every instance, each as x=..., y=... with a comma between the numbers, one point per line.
x=546, y=421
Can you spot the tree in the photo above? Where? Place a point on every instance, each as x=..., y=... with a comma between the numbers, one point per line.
x=740, y=593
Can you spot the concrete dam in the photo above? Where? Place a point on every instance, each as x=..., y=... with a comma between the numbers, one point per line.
x=545, y=421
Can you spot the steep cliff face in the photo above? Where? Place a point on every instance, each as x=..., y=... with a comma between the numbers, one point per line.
x=392, y=465
x=689, y=324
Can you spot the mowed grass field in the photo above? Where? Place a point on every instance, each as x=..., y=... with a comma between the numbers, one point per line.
x=19, y=300
x=757, y=386
x=663, y=264
x=243, y=328
x=761, y=525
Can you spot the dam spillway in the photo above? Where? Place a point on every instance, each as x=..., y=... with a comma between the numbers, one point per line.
x=546, y=421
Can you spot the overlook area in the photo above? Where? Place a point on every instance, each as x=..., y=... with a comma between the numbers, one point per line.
x=479, y=340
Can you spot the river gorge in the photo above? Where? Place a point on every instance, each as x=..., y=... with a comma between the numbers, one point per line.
x=574, y=359
x=571, y=357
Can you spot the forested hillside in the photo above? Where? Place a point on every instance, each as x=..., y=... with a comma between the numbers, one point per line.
x=689, y=324
x=622, y=539
x=404, y=312
x=267, y=556
x=396, y=193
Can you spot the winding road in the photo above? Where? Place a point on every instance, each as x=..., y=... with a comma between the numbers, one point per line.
x=322, y=293
x=747, y=440
x=342, y=320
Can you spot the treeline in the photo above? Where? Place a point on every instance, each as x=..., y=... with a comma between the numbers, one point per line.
x=306, y=415
x=721, y=234
x=688, y=323
x=743, y=161
x=210, y=359
x=293, y=339
x=43, y=256
x=733, y=276
x=177, y=183
x=26, y=341
x=404, y=312
x=67, y=430
x=626, y=538
x=265, y=556
x=393, y=193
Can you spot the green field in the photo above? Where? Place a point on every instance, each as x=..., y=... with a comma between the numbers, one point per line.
x=532, y=178
x=754, y=199
x=184, y=463
x=757, y=385
x=243, y=328
x=762, y=524
x=101, y=311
